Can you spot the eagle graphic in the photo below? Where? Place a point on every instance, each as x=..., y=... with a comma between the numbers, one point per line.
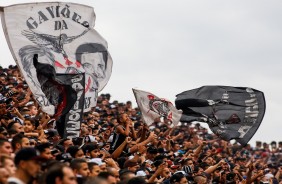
x=55, y=43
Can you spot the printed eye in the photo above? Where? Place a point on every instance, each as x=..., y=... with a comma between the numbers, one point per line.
x=87, y=65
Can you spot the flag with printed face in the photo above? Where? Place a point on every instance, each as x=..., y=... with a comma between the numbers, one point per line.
x=63, y=59
x=63, y=36
x=231, y=112
x=153, y=107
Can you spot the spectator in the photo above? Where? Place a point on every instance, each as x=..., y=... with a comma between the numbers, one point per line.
x=80, y=169
x=5, y=146
x=108, y=177
x=28, y=166
x=45, y=150
x=20, y=141
x=94, y=169
x=8, y=163
x=60, y=174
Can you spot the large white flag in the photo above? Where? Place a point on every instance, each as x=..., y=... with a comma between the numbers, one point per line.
x=153, y=107
x=62, y=35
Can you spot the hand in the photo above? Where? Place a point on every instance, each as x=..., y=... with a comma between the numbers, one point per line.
x=160, y=180
x=110, y=161
x=152, y=136
x=142, y=149
x=128, y=140
x=160, y=169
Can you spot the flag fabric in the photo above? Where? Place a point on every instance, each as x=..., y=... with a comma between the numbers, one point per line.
x=231, y=112
x=63, y=36
x=153, y=107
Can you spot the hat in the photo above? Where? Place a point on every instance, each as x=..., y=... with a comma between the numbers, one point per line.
x=51, y=132
x=90, y=147
x=152, y=150
x=97, y=161
x=141, y=173
x=26, y=154
x=269, y=175
x=130, y=163
x=174, y=166
x=89, y=139
x=51, y=121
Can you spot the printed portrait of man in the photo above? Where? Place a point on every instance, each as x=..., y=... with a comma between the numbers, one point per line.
x=95, y=60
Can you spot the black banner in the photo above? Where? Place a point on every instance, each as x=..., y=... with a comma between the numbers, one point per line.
x=231, y=112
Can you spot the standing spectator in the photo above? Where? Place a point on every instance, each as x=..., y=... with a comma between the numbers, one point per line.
x=8, y=163
x=80, y=169
x=5, y=146
x=20, y=141
x=4, y=175
x=94, y=169
x=28, y=166
x=60, y=174
x=45, y=150
x=122, y=130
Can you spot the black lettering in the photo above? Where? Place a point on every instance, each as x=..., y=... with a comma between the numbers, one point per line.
x=64, y=25
x=65, y=11
x=58, y=11
x=51, y=11
x=42, y=17
x=76, y=17
x=31, y=23
x=58, y=25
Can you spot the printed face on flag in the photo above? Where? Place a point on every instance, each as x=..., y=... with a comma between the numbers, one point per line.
x=62, y=36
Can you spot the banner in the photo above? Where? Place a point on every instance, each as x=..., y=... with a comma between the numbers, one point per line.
x=62, y=36
x=153, y=107
x=230, y=112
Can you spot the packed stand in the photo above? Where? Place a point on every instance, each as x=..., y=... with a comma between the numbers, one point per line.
x=115, y=146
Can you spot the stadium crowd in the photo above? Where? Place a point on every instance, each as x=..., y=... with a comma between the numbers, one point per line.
x=115, y=146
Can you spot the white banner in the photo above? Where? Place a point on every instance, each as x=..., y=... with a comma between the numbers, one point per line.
x=153, y=107
x=62, y=35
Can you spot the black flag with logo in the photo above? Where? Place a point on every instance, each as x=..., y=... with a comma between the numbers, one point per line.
x=230, y=112
x=66, y=93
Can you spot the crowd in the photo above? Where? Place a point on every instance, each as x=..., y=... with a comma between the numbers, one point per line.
x=116, y=146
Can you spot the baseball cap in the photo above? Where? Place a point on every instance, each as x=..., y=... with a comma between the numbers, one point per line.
x=90, y=147
x=96, y=160
x=27, y=154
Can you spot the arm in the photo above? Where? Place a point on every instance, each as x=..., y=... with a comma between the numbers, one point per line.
x=26, y=99
x=198, y=150
x=260, y=173
x=277, y=175
x=121, y=147
x=211, y=169
x=123, y=132
x=151, y=137
x=157, y=173
x=16, y=112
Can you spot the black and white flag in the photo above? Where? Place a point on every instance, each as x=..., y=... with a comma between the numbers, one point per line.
x=230, y=112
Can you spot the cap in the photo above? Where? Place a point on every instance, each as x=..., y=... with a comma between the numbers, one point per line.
x=90, y=147
x=141, y=173
x=26, y=154
x=130, y=163
x=97, y=161
x=89, y=139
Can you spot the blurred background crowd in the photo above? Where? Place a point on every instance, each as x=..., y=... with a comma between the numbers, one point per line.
x=116, y=146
